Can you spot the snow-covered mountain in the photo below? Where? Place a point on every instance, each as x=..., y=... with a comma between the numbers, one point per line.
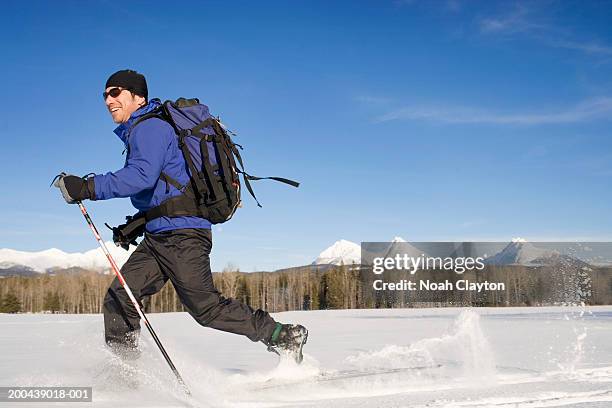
x=347, y=252
x=341, y=252
x=50, y=259
x=521, y=252
x=399, y=246
x=517, y=252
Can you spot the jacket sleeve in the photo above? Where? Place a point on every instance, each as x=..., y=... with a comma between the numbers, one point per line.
x=148, y=144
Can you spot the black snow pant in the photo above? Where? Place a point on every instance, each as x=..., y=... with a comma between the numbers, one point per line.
x=183, y=257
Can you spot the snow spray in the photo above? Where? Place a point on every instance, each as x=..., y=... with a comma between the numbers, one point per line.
x=465, y=347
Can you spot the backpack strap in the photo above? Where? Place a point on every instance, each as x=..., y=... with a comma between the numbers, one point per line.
x=171, y=182
x=155, y=113
x=248, y=177
x=226, y=164
x=178, y=206
x=281, y=179
x=208, y=174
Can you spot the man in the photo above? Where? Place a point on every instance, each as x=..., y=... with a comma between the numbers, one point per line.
x=173, y=248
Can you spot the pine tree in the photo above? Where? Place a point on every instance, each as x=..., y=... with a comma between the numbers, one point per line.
x=10, y=304
x=52, y=302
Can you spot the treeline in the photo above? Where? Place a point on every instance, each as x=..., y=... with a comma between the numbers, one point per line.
x=84, y=291
x=312, y=288
x=65, y=292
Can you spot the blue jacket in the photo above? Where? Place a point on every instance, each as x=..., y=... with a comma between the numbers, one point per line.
x=152, y=147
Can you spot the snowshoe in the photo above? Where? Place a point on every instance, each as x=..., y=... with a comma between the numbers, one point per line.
x=288, y=340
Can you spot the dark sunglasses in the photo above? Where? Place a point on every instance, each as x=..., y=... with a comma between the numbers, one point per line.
x=114, y=92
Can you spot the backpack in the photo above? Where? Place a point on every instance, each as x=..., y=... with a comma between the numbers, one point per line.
x=213, y=163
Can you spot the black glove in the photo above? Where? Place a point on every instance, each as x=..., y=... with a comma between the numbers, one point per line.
x=125, y=235
x=75, y=188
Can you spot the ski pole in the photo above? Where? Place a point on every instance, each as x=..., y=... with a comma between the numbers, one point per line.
x=132, y=298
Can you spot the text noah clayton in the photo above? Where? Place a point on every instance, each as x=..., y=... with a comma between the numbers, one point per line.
x=462, y=285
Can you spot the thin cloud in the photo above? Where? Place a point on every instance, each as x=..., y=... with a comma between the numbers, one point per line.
x=521, y=21
x=514, y=22
x=588, y=110
x=588, y=48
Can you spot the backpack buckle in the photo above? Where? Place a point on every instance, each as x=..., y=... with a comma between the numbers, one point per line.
x=182, y=134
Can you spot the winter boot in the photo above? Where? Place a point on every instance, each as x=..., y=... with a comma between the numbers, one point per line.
x=288, y=339
x=126, y=346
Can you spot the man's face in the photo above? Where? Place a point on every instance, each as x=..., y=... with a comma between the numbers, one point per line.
x=123, y=105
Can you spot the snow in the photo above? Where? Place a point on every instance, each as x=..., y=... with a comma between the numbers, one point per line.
x=401, y=248
x=43, y=261
x=489, y=357
x=341, y=252
x=520, y=252
x=347, y=252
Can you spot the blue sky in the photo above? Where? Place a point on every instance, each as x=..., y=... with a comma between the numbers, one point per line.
x=431, y=120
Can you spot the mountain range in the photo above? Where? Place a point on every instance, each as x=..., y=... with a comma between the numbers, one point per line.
x=345, y=252
x=516, y=252
x=521, y=252
x=49, y=260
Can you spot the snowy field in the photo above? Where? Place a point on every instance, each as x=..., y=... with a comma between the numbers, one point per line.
x=511, y=358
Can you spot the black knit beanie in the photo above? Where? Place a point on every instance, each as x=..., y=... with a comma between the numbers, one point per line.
x=130, y=80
